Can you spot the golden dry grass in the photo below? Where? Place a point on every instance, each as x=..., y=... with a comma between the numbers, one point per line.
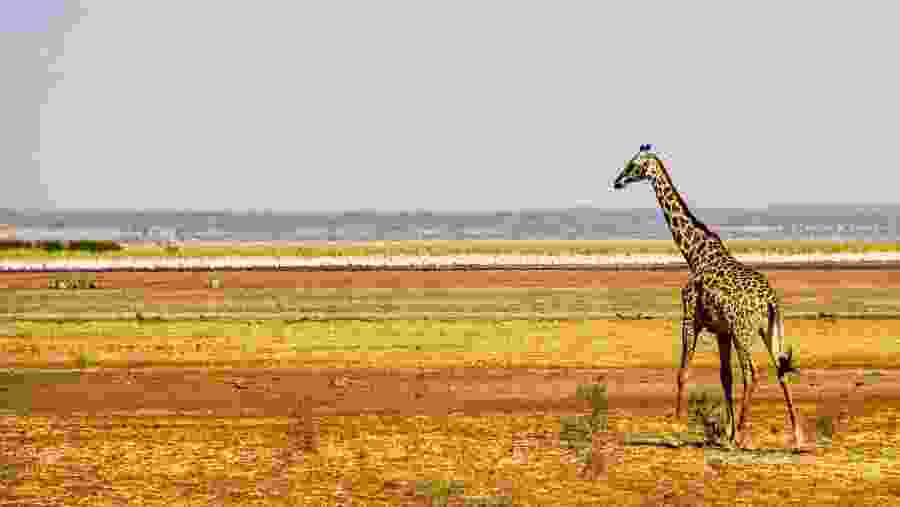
x=258, y=461
x=542, y=343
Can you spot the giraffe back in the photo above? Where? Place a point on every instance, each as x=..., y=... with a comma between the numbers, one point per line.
x=735, y=296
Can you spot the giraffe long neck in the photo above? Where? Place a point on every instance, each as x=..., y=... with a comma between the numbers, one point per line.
x=696, y=242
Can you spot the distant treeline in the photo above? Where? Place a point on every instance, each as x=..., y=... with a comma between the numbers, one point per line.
x=85, y=245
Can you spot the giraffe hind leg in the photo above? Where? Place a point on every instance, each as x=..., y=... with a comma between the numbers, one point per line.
x=751, y=380
x=784, y=365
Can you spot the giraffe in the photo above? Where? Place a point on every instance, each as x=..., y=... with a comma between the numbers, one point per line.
x=722, y=295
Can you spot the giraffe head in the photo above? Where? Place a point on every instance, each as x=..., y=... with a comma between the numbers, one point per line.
x=643, y=166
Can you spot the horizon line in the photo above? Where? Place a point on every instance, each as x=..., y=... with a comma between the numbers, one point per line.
x=417, y=211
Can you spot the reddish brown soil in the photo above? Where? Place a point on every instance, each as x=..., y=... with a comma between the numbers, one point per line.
x=472, y=391
x=171, y=281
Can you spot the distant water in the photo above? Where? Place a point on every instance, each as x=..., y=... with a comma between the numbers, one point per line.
x=840, y=222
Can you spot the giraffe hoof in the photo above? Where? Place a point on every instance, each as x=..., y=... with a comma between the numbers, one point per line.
x=799, y=441
x=744, y=440
x=804, y=448
x=801, y=445
x=726, y=444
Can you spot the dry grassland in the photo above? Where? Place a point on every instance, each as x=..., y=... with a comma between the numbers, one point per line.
x=266, y=412
x=375, y=460
x=617, y=343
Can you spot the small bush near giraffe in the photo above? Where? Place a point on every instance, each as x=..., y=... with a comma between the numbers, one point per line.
x=707, y=414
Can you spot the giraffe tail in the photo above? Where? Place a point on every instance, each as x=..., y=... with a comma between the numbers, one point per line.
x=776, y=331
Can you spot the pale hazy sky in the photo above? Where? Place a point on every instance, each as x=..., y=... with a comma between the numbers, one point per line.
x=444, y=105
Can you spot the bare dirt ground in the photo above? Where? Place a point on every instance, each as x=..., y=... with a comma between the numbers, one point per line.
x=465, y=391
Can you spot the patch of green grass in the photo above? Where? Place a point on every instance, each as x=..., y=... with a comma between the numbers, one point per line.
x=311, y=336
x=599, y=343
x=456, y=247
x=16, y=386
x=349, y=303
x=86, y=360
x=55, y=247
x=456, y=303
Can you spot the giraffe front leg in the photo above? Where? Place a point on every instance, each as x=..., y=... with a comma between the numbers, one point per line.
x=680, y=409
x=689, y=331
x=725, y=374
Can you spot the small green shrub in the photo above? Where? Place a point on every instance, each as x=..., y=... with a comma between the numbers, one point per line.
x=577, y=432
x=86, y=360
x=94, y=246
x=824, y=430
x=439, y=490
x=54, y=247
x=708, y=415
x=7, y=472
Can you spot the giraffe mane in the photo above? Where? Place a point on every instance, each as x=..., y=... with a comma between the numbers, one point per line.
x=687, y=210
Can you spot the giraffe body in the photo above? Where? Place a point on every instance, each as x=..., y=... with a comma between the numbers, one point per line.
x=722, y=295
